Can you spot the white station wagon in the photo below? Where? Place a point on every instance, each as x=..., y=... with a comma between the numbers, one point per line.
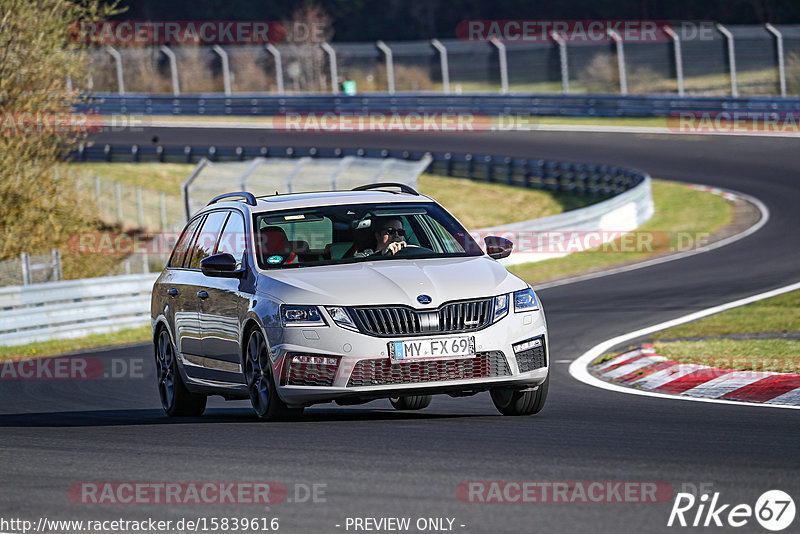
x=345, y=296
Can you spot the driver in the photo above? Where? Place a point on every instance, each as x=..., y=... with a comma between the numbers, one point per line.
x=389, y=237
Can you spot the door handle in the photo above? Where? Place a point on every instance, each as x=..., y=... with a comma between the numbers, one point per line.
x=172, y=292
x=202, y=294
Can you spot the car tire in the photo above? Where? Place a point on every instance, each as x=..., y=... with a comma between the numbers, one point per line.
x=411, y=402
x=176, y=400
x=512, y=402
x=260, y=384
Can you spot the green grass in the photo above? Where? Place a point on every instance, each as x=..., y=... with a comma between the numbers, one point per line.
x=677, y=209
x=62, y=346
x=499, y=204
x=162, y=177
x=479, y=205
x=776, y=314
x=777, y=355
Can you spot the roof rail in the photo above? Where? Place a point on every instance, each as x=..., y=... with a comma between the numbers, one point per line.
x=251, y=199
x=403, y=187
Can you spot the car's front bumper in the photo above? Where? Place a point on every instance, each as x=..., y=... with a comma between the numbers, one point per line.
x=365, y=369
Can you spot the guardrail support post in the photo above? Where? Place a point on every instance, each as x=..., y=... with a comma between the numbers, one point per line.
x=118, y=61
x=226, y=71
x=444, y=65
x=731, y=58
x=781, y=62
x=56, y=255
x=276, y=56
x=623, y=78
x=25, y=263
x=501, y=52
x=173, y=69
x=676, y=47
x=562, y=59
x=334, y=72
x=387, y=54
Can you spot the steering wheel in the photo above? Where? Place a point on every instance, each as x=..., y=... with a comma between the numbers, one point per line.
x=409, y=250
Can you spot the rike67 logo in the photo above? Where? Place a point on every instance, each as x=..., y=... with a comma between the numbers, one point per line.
x=774, y=510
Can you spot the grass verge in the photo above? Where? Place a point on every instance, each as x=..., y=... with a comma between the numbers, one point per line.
x=476, y=204
x=773, y=316
x=776, y=315
x=63, y=346
x=679, y=210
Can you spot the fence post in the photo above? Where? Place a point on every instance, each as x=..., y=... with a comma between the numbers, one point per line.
x=97, y=192
x=163, y=202
x=501, y=52
x=623, y=78
x=781, y=64
x=562, y=59
x=173, y=68
x=188, y=182
x=118, y=61
x=118, y=191
x=334, y=73
x=226, y=71
x=387, y=53
x=731, y=58
x=443, y=62
x=676, y=47
x=140, y=206
x=56, y=254
x=276, y=56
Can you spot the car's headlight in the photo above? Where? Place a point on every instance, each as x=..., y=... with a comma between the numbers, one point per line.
x=301, y=316
x=500, y=307
x=525, y=300
x=341, y=317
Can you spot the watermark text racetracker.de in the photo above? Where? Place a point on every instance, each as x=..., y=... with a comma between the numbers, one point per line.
x=527, y=241
x=195, y=492
x=54, y=122
x=565, y=492
x=72, y=368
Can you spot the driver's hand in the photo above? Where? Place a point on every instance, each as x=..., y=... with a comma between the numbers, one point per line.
x=395, y=247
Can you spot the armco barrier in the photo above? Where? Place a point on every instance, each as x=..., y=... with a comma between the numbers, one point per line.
x=529, y=104
x=74, y=308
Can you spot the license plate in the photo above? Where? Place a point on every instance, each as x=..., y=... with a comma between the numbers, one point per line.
x=423, y=349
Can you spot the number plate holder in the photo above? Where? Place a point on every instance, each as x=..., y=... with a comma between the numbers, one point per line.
x=447, y=348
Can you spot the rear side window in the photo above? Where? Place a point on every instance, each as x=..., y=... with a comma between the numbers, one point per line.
x=233, y=240
x=203, y=246
x=179, y=253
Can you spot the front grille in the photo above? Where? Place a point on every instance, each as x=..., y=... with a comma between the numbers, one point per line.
x=531, y=359
x=456, y=317
x=384, y=371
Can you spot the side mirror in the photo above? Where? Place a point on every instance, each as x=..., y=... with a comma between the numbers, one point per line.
x=497, y=247
x=221, y=265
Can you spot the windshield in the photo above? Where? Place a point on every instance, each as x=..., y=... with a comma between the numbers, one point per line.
x=358, y=232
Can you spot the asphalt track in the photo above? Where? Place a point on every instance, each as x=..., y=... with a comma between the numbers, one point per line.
x=377, y=462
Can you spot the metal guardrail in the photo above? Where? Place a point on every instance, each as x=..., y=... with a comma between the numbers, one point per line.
x=540, y=104
x=74, y=308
